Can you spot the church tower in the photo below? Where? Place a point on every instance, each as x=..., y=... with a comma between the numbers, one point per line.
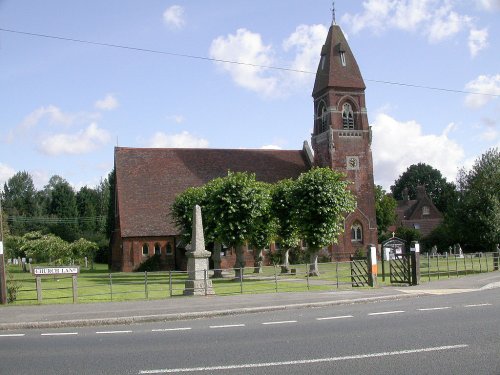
x=341, y=137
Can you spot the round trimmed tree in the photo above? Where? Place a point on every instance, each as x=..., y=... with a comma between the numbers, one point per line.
x=322, y=201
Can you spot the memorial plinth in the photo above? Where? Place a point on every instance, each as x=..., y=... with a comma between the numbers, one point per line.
x=198, y=282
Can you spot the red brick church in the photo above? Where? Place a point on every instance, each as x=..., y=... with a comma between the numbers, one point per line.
x=148, y=179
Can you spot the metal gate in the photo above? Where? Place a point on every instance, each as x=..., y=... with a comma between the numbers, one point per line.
x=359, y=272
x=400, y=269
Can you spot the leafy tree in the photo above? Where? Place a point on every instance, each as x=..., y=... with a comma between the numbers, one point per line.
x=111, y=206
x=182, y=210
x=82, y=248
x=19, y=199
x=322, y=199
x=385, y=209
x=235, y=202
x=477, y=217
x=13, y=245
x=63, y=206
x=442, y=193
x=408, y=235
x=264, y=226
x=103, y=197
x=46, y=247
x=283, y=209
x=87, y=201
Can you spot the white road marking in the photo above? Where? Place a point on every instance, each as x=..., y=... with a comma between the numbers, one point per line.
x=171, y=329
x=13, y=335
x=111, y=332
x=479, y=305
x=305, y=361
x=335, y=317
x=59, y=334
x=228, y=326
x=435, y=308
x=387, y=312
x=282, y=322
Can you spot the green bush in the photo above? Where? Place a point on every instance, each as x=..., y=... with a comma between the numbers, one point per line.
x=150, y=265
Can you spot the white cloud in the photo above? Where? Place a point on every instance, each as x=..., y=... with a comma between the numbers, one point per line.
x=52, y=113
x=397, y=145
x=483, y=84
x=478, y=40
x=6, y=172
x=178, y=119
x=489, y=135
x=81, y=142
x=435, y=19
x=247, y=47
x=271, y=147
x=108, y=103
x=306, y=41
x=181, y=140
x=47, y=115
x=489, y=5
x=174, y=17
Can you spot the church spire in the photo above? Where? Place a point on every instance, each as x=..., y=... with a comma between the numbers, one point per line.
x=337, y=68
x=334, y=22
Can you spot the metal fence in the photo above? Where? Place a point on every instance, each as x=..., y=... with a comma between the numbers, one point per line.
x=435, y=267
x=101, y=287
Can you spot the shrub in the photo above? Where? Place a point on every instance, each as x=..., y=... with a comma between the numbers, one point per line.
x=150, y=265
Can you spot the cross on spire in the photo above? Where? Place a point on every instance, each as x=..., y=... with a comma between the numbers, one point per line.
x=334, y=22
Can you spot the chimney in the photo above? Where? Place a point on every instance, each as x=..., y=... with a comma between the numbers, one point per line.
x=405, y=194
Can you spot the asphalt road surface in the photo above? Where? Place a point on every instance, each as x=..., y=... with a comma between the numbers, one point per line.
x=447, y=334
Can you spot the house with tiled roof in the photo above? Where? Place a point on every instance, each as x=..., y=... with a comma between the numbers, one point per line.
x=420, y=213
x=148, y=179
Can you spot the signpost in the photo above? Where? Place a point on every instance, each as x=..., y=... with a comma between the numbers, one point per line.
x=38, y=272
x=3, y=282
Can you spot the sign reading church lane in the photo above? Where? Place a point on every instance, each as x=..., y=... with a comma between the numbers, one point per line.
x=46, y=271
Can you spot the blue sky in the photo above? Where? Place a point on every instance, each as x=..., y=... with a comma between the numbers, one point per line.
x=65, y=105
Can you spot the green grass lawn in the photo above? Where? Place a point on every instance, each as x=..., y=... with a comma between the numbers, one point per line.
x=99, y=285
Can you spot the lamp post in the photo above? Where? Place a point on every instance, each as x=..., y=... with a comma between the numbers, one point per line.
x=3, y=283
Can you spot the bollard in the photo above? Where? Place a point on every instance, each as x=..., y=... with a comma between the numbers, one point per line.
x=415, y=263
x=372, y=265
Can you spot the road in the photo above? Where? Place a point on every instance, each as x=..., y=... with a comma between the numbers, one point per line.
x=446, y=334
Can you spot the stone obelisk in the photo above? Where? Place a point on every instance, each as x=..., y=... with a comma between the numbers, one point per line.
x=198, y=282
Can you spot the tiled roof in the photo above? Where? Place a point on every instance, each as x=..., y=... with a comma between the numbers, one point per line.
x=331, y=72
x=148, y=179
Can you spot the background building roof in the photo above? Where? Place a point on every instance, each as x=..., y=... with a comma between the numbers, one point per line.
x=149, y=179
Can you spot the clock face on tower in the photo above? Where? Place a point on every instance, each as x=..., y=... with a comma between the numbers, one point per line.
x=352, y=162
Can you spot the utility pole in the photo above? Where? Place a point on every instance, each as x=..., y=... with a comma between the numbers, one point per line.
x=3, y=283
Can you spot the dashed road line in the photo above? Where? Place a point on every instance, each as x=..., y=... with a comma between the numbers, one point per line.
x=111, y=332
x=171, y=329
x=434, y=308
x=387, y=312
x=478, y=305
x=281, y=322
x=59, y=334
x=228, y=326
x=13, y=335
x=336, y=317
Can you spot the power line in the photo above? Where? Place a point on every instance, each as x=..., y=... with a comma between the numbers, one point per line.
x=174, y=54
x=55, y=220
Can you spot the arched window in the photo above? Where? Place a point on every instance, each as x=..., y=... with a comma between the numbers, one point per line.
x=157, y=249
x=357, y=232
x=145, y=249
x=323, y=115
x=169, y=249
x=347, y=116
